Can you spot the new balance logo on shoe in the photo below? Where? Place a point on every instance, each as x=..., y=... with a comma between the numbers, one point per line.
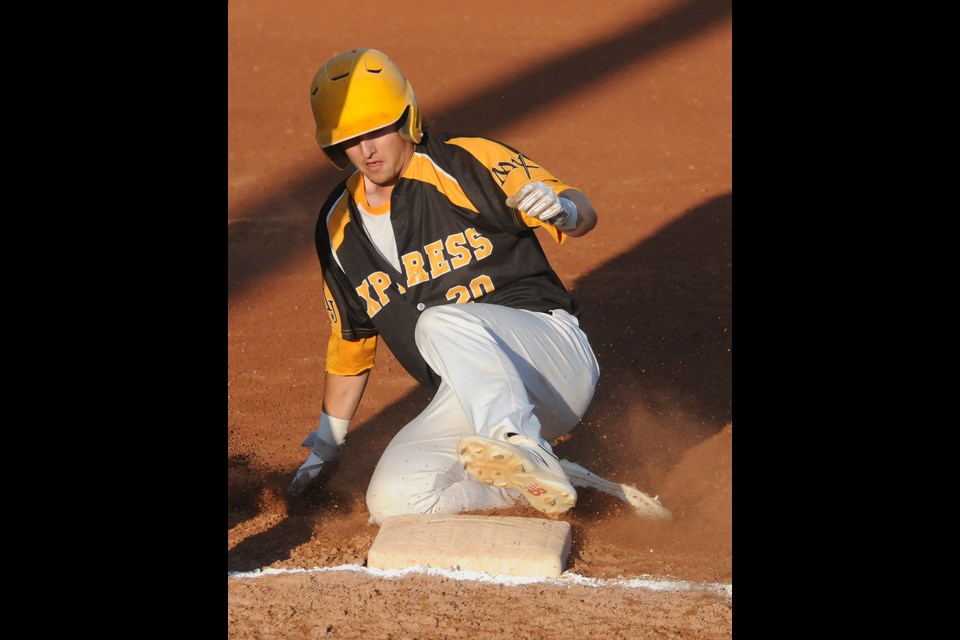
x=533, y=489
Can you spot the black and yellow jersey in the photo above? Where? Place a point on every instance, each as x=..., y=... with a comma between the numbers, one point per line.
x=457, y=242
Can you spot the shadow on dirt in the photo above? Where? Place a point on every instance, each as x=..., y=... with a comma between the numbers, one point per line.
x=659, y=319
x=253, y=493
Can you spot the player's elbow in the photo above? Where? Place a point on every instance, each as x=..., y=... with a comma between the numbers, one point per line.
x=588, y=220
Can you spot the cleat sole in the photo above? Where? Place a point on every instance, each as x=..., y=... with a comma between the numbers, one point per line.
x=499, y=465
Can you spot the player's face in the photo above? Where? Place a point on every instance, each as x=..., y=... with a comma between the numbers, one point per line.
x=381, y=155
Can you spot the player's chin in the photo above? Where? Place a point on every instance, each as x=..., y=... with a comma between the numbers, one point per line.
x=382, y=176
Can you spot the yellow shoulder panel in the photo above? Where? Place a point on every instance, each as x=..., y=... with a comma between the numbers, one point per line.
x=423, y=169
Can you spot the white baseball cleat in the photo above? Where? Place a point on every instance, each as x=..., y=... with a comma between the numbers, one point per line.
x=645, y=506
x=519, y=463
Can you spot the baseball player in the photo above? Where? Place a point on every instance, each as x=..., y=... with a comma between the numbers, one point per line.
x=429, y=245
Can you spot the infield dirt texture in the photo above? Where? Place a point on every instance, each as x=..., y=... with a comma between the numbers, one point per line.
x=630, y=101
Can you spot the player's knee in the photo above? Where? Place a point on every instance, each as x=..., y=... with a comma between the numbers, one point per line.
x=385, y=499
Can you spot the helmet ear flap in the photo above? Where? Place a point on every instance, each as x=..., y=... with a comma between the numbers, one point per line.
x=411, y=127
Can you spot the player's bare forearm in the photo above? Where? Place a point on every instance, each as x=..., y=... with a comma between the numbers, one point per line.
x=588, y=216
x=342, y=394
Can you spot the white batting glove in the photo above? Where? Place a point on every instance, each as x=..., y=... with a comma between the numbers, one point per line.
x=323, y=451
x=538, y=200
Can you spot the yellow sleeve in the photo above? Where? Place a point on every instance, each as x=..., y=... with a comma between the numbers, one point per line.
x=350, y=357
x=345, y=357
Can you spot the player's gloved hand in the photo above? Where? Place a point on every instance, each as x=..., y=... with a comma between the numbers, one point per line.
x=538, y=200
x=323, y=454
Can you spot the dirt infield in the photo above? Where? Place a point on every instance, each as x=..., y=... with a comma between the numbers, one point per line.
x=630, y=102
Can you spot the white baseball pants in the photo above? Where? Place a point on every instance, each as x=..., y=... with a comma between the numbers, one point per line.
x=503, y=371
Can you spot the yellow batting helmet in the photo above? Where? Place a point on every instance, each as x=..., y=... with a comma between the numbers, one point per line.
x=357, y=92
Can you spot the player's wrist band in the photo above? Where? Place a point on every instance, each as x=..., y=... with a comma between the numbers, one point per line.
x=572, y=217
x=332, y=428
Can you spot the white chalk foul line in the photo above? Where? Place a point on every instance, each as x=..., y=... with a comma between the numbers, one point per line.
x=566, y=578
